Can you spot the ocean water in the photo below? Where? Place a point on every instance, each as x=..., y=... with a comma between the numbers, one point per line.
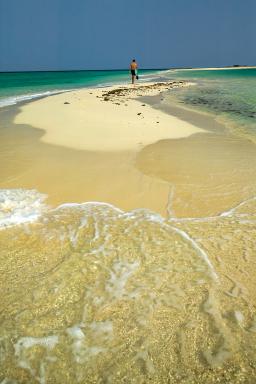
x=20, y=86
x=229, y=95
x=95, y=294
x=91, y=293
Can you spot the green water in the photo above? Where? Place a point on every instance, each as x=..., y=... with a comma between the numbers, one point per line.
x=215, y=73
x=230, y=95
x=19, y=86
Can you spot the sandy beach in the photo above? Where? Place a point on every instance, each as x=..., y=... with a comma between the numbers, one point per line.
x=98, y=133
x=108, y=119
x=134, y=152
x=141, y=261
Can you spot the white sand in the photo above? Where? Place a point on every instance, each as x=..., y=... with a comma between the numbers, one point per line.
x=90, y=123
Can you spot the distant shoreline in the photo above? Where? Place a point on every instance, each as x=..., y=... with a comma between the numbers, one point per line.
x=144, y=69
x=215, y=68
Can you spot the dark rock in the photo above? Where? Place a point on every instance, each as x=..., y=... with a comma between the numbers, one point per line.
x=66, y=102
x=139, y=113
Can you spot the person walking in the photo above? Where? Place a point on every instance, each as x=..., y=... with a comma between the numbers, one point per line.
x=133, y=68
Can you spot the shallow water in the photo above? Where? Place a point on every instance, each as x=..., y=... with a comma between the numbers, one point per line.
x=228, y=95
x=94, y=293
x=207, y=173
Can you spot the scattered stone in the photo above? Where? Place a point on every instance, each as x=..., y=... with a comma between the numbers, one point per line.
x=143, y=105
x=106, y=98
x=157, y=121
x=139, y=113
x=66, y=102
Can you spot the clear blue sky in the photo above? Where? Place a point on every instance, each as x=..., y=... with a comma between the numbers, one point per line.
x=107, y=34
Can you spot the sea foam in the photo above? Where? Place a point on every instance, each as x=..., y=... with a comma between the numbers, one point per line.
x=12, y=100
x=20, y=206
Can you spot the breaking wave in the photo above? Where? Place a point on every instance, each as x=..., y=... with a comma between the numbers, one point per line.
x=96, y=294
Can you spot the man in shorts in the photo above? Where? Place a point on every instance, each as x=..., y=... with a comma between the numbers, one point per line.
x=133, y=68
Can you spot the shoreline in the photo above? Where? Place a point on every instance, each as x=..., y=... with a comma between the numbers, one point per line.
x=214, y=68
x=123, y=112
x=126, y=150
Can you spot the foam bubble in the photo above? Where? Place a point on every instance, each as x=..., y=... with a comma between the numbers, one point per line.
x=119, y=277
x=19, y=206
x=98, y=331
x=17, y=99
x=28, y=342
x=239, y=317
x=25, y=343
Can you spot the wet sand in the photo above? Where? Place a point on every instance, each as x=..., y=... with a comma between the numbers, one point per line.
x=200, y=175
x=98, y=294
x=68, y=175
x=210, y=173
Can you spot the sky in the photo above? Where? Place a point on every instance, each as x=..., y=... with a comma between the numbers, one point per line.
x=107, y=34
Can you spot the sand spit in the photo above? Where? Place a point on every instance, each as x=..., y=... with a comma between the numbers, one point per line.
x=215, y=68
x=105, y=119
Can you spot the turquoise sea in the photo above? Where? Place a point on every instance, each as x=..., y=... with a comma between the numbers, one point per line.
x=228, y=94
x=20, y=86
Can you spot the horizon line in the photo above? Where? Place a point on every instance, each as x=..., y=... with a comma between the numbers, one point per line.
x=127, y=69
